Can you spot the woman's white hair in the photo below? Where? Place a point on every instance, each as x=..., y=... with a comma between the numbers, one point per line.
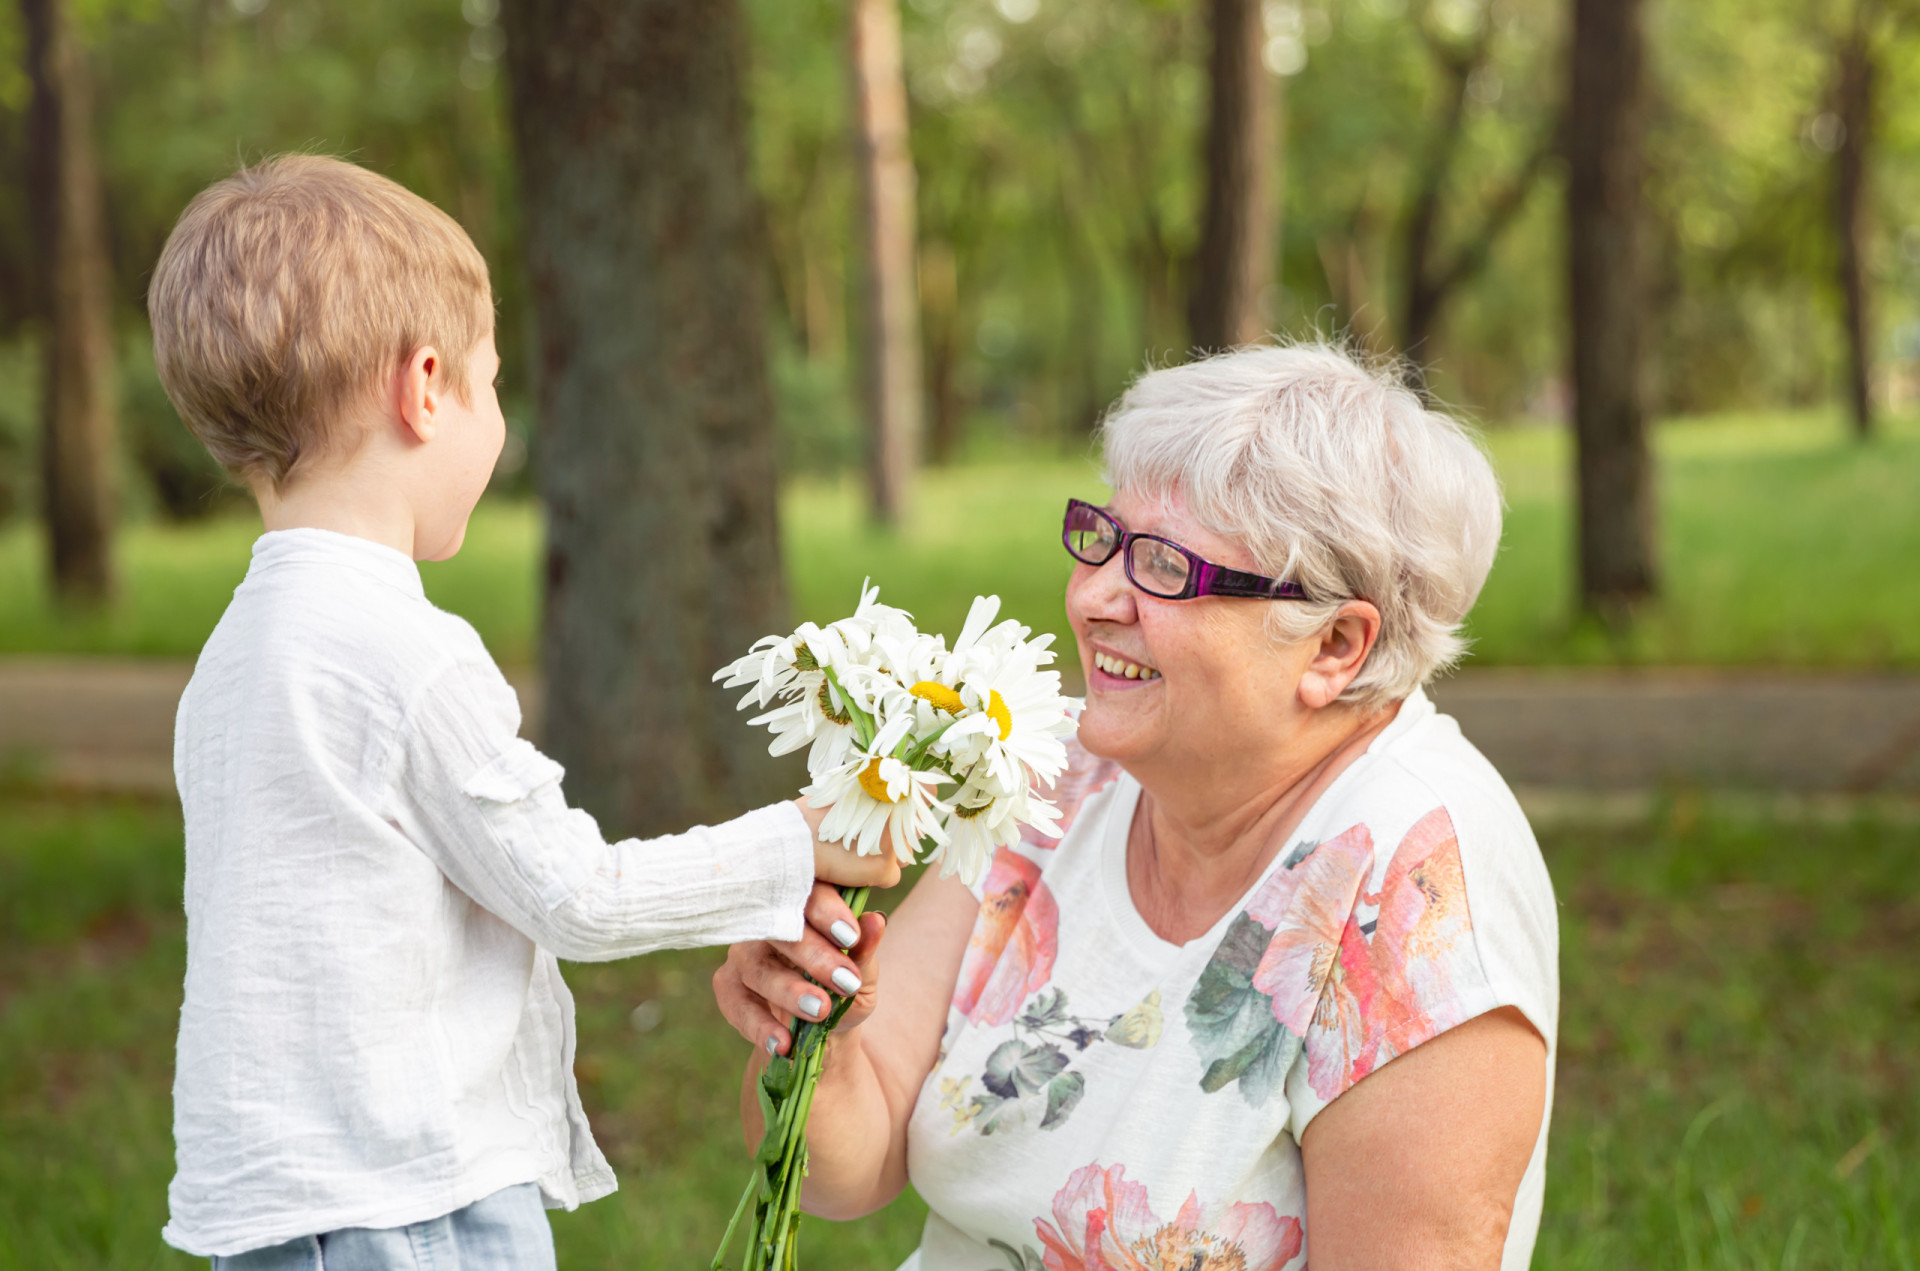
x=1333, y=475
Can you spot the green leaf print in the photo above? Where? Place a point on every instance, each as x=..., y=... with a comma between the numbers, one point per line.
x=1048, y=1008
x=1232, y=1023
x=1024, y=1259
x=1036, y=1060
x=1016, y=1068
x=1063, y=1092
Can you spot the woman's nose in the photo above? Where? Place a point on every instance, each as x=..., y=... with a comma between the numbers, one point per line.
x=1101, y=592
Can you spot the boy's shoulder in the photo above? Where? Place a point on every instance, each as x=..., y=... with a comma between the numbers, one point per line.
x=323, y=610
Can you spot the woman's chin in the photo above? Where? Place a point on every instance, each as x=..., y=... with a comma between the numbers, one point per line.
x=1112, y=727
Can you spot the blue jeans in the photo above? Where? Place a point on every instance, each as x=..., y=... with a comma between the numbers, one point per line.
x=506, y=1231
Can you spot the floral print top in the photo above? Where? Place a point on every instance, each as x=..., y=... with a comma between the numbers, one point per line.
x=1108, y=1101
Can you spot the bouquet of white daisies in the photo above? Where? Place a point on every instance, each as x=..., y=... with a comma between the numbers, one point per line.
x=928, y=752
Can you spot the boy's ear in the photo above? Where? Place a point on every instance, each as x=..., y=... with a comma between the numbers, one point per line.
x=419, y=397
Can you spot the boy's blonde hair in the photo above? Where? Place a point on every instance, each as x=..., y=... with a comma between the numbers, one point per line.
x=289, y=291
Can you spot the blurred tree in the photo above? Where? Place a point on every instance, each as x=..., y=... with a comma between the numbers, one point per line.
x=1429, y=279
x=890, y=326
x=1060, y=160
x=1606, y=121
x=1737, y=250
x=77, y=398
x=1234, y=265
x=647, y=272
x=1850, y=128
x=1854, y=76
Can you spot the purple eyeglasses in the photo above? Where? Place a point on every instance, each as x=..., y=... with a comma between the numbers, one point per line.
x=1159, y=566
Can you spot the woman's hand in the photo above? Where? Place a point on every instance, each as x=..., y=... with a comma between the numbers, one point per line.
x=764, y=984
x=857, y=1135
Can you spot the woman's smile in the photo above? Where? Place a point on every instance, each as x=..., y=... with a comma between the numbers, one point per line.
x=1111, y=671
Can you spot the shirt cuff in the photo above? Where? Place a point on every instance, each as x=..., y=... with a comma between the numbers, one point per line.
x=783, y=843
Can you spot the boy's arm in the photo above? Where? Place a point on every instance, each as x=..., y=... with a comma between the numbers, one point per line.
x=487, y=807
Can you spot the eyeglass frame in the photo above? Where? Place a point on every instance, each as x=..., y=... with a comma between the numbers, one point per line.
x=1204, y=577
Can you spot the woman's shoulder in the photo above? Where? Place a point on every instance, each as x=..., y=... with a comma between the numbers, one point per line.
x=1441, y=833
x=1423, y=770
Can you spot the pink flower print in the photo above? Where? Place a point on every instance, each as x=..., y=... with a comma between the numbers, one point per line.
x=1346, y=1017
x=1085, y=1213
x=1398, y=989
x=1423, y=912
x=1085, y=775
x=1011, y=951
x=1102, y=1222
x=1308, y=908
x=1422, y=929
x=1263, y=1239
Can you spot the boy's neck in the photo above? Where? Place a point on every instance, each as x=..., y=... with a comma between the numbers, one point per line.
x=345, y=502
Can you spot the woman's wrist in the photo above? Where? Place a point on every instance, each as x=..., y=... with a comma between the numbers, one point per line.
x=843, y=1048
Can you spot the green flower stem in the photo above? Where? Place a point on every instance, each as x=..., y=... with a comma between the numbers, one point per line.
x=914, y=757
x=863, y=725
x=773, y=1191
x=734, y=1222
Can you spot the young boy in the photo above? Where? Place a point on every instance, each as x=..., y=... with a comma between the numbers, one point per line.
x=376, y=1047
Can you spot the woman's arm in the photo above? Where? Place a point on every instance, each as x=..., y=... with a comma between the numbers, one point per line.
x=878, y=1058
x=1417, y=1166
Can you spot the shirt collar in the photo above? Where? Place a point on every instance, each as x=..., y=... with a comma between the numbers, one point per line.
x=276, y=548
x=1415, y=710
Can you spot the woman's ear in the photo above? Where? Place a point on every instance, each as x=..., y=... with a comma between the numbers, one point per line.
x=419, y=397
x=1344, y=645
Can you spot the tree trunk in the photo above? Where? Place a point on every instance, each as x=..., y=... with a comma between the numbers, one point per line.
x=1853, y=102
x=890, y=330
x=1606, y=125
x=77, y=393
x=1235, y=261
x=647, y=274
x=940, y=310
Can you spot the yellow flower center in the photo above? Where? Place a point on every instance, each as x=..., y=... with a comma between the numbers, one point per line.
x=939, y=696
x=871, y=782
x=997, y=712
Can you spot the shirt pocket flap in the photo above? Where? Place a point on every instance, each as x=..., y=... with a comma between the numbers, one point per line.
x=553, y=848
x=513, y=774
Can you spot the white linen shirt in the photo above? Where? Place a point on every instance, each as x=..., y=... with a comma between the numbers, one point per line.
x=380, y=873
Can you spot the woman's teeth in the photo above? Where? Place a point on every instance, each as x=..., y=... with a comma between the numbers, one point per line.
x=1124, y=668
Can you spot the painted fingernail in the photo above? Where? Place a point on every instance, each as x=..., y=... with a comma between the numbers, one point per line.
x=846, y=981
x=845, y=934
x=773, y=1045
x=811, y=1006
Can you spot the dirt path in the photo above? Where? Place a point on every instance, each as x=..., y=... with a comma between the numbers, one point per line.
x=108, y=724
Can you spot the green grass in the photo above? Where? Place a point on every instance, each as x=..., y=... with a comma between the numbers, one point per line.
x=1785, y=545
x=1739, y=1075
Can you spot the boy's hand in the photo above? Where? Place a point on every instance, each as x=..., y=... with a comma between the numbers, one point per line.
x=835, y=863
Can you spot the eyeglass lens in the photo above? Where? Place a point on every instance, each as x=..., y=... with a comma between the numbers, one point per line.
x=1091, y=536
x=1157, y=567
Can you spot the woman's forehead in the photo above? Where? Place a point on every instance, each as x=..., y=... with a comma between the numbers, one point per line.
x=1165, y=512
x=1152, y=511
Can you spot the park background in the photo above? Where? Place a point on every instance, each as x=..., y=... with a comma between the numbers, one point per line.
x=1668, y=244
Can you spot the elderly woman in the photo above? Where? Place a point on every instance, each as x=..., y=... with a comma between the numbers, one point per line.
x=1288, y=976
